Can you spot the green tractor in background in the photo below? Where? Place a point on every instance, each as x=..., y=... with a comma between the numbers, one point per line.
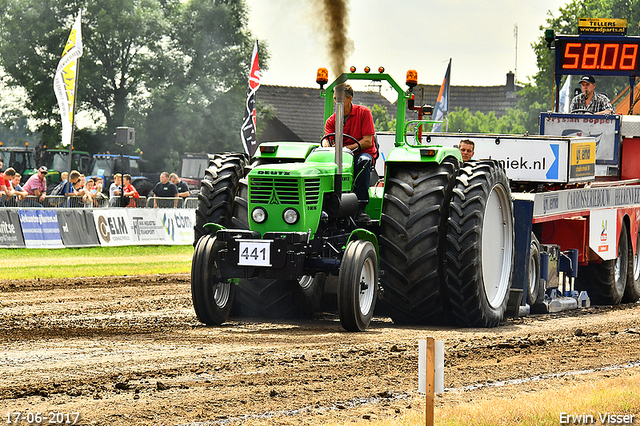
x=57, y=162
x=271, y=228
x=21, y=158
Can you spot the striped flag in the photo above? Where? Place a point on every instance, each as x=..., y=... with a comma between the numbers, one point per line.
x=65, y=79
x=248, y=130
x=442, y=104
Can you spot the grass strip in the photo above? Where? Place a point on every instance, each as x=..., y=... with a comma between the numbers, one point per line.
x=94, y=261
x=572, y=403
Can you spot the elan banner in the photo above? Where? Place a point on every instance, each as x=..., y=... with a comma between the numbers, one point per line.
x=113, y=226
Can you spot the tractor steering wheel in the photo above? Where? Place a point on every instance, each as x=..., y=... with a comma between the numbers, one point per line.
x=328, y=135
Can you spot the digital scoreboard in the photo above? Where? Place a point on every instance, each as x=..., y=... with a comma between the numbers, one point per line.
x=598, y=55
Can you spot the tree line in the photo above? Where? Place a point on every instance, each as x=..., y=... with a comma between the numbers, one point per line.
x=174, y=70
x=177, y=70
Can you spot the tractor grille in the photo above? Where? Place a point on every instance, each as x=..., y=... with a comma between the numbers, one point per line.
x=274, y=190
x=311, y=191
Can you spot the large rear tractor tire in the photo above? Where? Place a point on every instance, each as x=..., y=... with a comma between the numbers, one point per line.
x=142, y=185
x=266, y=298
x=412, y=240
x=632, y=291
x=212, y=297
x=358, y=285
x=217, y=191
x=480, y=245
x=605, y=282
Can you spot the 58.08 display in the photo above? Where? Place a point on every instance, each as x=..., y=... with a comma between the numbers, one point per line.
x=602, y=57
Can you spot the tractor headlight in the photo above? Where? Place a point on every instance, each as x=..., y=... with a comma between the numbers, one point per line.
x=290, y=216
x=259, y=215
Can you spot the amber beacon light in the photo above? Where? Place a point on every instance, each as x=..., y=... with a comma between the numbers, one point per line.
x=412, y=78
x=322, y=77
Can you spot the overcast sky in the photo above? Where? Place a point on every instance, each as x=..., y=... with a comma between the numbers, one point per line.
x=478, y=35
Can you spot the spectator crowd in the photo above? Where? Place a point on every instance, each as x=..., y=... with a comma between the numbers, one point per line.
x=77, y=190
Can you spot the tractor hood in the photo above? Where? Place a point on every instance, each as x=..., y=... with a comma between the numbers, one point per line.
x=276, y=188
x=281, y=150
x=320, y=162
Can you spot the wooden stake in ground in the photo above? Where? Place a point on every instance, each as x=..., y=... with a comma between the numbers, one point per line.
x=430, y=373
x=431, y=380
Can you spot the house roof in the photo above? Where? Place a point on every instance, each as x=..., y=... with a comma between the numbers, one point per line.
x=477, y=98
x=301, y=109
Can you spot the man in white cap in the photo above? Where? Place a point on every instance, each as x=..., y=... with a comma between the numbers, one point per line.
x=589, y=101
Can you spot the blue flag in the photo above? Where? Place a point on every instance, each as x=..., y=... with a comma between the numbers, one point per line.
x=442, y=103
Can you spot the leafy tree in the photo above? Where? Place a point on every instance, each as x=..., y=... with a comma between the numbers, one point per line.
x=176, y=70
x=119, y=37
x=264, y=114
x=537, y=93
x=14, y=129
x=463, y=121
x=197, y=99
x=381, y=119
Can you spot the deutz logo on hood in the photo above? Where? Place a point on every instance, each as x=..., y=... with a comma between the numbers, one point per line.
x=274, y=198
x=273, y=172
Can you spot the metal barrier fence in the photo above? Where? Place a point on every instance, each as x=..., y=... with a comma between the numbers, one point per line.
x=171, y=202
x=72, y=201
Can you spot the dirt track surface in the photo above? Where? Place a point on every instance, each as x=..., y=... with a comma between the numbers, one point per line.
x=130, y=351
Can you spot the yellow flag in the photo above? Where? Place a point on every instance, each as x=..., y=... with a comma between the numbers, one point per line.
x=64, y=81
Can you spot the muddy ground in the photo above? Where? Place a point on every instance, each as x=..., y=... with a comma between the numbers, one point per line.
x=130, y=351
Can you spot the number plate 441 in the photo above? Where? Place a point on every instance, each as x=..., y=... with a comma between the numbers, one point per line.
x=254, y=253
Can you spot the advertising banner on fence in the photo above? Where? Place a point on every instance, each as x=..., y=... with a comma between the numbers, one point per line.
x=147, y=227
x=10, y=230
x=40, y=228
x=178, y=225
x=113, y=227
x=77, y=228
x=119, y=227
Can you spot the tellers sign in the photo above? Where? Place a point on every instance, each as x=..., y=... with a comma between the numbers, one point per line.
x=598, y=55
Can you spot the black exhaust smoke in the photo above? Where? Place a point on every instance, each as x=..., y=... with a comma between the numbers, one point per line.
x=336, y=19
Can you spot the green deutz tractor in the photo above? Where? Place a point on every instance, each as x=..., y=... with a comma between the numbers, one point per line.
x=271, y=228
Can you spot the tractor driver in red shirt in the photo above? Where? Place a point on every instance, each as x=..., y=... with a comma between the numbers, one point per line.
x=358, y=123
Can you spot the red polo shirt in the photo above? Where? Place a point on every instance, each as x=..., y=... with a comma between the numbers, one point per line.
x=358, y=123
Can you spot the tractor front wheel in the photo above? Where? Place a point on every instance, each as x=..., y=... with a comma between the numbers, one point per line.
x=212, y=297
x=357, y=285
